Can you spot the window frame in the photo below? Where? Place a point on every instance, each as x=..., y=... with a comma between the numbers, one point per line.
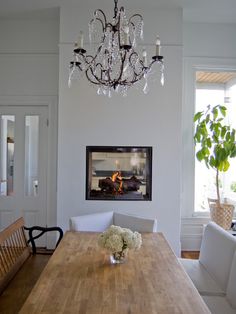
x=191, y=65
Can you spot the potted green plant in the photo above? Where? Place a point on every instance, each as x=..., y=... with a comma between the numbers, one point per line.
x=215, y=143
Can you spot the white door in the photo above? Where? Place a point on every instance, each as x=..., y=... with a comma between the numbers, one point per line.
x=23, y=165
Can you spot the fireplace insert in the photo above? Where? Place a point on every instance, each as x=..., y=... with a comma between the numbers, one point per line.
x=118, y=173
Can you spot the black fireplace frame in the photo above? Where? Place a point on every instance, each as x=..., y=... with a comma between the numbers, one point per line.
x=119, y=149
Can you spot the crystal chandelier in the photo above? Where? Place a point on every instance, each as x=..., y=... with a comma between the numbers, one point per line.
x=116, y=65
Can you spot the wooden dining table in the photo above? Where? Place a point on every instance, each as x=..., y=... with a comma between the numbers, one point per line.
x=79, y=278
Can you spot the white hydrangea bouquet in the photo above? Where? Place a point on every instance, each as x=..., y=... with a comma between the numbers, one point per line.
x=118, y=240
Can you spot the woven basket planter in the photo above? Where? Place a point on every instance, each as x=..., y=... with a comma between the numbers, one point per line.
x=222, y=214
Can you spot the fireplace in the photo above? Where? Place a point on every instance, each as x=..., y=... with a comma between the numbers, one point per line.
x=118, y=173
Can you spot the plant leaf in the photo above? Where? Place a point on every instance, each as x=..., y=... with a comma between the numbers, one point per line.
x=212, y=162
x=223, y=110
x=223, y=132
x=215, y=112
x=199, y=155
x=197, y=116
x=226, y=165
x=208, y=141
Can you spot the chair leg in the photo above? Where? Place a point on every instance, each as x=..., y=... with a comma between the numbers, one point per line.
x=42, y=231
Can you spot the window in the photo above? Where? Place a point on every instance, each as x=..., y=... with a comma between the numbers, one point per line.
x=31, y=155
x=215, y=88
x=7, y=139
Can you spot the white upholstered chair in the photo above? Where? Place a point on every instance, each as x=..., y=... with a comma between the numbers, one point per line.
x=210, y=273
x=97, y=222
x=101, y=221
x=135, y=223
x=225, y=304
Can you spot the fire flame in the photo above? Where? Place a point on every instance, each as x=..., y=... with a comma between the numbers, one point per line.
x=116, y=176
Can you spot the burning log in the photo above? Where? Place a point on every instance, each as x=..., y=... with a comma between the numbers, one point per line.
x=117, y=184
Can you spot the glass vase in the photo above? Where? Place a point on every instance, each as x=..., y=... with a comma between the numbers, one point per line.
x=118, y=257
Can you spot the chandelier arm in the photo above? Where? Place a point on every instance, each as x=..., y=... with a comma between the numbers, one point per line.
x=132, y=24
x=99, y=20
x=85, y=58
x=103, y=14
x=131, y=55
x=90, y=79
x=138, y=77
x=91, y=70
x=134, y=16
x=133, y=67
x=139, y=74
x=98, y=81
x=101, y=71
x=109, y=25
x=160, y=62
x=151, y=64
x=134, y=73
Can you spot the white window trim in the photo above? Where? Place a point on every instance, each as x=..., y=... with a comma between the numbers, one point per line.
x=191, y=65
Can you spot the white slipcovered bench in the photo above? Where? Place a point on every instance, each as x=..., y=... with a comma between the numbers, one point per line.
x=99, y=222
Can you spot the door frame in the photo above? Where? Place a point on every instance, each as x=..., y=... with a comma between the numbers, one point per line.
x=52, y=103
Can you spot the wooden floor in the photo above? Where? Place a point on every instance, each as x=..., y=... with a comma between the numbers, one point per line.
x=190, y=254
x=14, y=296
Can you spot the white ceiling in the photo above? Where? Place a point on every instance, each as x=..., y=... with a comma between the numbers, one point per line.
x=223, y=11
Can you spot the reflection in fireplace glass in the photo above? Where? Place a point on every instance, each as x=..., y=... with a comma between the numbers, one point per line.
x=118, y=173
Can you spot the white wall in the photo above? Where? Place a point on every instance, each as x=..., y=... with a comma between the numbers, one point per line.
x=29, y=76
x=148, y=120
x=209, y=40
x=29, y=57
x=206, y=46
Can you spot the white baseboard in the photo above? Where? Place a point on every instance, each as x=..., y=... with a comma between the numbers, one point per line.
x=191, y=242
x=191, y=233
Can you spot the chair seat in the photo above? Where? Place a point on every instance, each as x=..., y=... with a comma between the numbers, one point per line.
x=218, y=305
x=202, y=280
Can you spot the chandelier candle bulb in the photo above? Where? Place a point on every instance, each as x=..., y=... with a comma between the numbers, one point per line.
x=81, y=40
x=145, y=58
x=158, y=46
x=126, y=35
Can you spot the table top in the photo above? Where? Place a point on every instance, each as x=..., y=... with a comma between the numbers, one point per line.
x=80, y=279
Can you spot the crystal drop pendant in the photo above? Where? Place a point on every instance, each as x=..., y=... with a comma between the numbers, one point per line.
x=99, y=90
x=73, y=75
x=162, y=79
x=91, y=31
x=146, y=88
x=69, y=82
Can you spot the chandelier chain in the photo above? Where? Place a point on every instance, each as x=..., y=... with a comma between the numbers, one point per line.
x=115, y=9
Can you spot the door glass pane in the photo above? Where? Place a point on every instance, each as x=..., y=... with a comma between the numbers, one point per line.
x=31, y=155
x=7, y=154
